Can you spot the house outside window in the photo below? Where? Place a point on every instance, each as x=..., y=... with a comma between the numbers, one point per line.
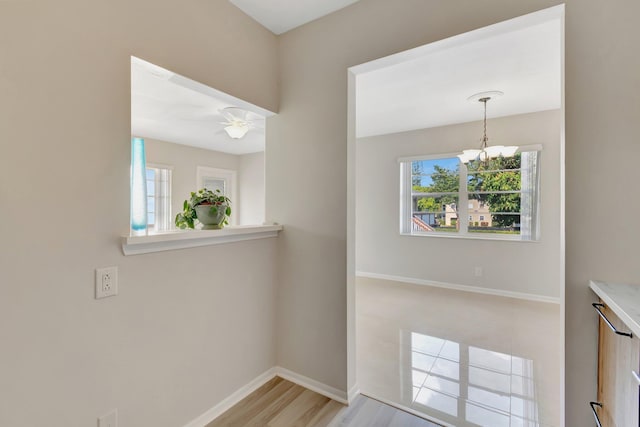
x=494, y=199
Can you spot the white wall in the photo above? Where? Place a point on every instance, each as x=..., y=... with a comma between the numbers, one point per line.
x=524, y=267
x=307, y=154
x=189, y=327
x=251, y=183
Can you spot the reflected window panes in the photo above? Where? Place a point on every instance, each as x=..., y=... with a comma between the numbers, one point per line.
x=469, y=385
x=213, y=184
x=158, y=198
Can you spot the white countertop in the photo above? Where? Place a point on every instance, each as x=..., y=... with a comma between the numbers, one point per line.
x=623, y=299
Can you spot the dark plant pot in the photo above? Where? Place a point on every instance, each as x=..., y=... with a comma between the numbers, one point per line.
x=211, y=220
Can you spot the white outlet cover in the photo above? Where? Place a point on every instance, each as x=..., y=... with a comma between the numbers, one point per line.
x=103, y=275
x=109, y=420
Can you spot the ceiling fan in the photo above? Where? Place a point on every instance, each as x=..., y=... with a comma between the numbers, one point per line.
x=235, y=121
x=238, y=121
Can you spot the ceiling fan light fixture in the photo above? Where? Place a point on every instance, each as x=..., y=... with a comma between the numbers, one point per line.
x=237, y=131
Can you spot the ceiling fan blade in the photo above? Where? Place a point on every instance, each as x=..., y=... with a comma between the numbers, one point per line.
x=234, y=114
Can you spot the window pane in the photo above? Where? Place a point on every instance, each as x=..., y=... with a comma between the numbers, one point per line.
x=435, y=176
x=495, y=175
x=435, y=213
x=501, y=213
x=434, y=195
x=159, y=198
x=151, y=188
x=214, y=184
x=495, y=195
x=151, y=204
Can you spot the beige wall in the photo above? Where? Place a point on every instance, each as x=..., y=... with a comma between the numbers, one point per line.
x=248, y=202
x=165, y=349
x=507, y=266
x=185, y=161
x=307, y=165
x=189, y=327
x=251, y=182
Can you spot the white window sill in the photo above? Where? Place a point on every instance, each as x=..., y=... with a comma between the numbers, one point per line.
x=182, y=239
x=480, y=236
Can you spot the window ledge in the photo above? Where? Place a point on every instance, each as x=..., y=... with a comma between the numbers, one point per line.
x=445, y=235
x=182, y=239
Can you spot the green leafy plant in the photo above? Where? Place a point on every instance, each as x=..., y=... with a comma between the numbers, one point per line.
x=217, y=200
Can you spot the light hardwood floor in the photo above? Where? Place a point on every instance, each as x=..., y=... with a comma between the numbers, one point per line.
x=280, y=403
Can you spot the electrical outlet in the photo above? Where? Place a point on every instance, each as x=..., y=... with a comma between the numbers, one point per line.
x=109, y=420
x=478, y=272
x=106, y=282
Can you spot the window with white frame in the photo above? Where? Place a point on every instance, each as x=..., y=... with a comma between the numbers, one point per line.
x=497, y=198
x=158, y=198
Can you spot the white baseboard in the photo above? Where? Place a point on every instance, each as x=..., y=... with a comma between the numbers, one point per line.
x=236, y=397
x=465, y=288
x=353, y=393
x=313, y=385
x=247, y=389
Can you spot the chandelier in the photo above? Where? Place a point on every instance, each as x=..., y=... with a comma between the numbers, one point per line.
x=486, y=152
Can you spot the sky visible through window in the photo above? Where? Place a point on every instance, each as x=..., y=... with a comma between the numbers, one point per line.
x=151, y=196
x=427, y=168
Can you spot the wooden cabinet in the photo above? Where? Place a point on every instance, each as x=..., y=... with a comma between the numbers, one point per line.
x=618, y=367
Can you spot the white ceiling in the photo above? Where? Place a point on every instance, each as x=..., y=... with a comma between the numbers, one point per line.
x=173, y=108
x=280, y=16
x=429, y=86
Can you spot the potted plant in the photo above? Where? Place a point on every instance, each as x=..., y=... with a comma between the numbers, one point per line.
x=210, y=208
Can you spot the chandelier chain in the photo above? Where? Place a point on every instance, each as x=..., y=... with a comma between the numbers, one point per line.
x=485, y=152
x=485, y=139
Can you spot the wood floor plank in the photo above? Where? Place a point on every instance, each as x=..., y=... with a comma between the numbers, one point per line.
x=328, y=412
x=280, y=403
x=262, y=418
x=252, y=404
x=247, y=402
x=300, y=411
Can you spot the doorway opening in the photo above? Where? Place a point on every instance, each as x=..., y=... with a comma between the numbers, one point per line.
x=456, y=281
